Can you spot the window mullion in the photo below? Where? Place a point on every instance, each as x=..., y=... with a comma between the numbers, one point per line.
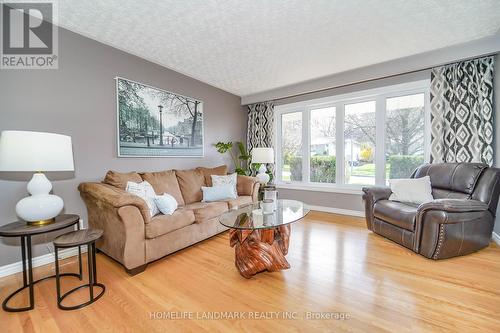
x=306, y=146
x=339, y=143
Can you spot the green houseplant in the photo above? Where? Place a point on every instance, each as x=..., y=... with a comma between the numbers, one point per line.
x=241, y=160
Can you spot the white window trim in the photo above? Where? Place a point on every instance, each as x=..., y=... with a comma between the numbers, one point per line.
x=380, y=95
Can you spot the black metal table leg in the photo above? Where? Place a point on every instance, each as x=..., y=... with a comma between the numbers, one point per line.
x=58, y=284
x=23, y=255
x=80, y=257
x=91, y=270
x=94, y=263
x=30, y=273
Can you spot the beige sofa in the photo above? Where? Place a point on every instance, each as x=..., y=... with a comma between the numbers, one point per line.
x=133, y=238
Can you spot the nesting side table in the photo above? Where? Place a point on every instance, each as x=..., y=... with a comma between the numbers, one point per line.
x=25, y=231
x=78, y=238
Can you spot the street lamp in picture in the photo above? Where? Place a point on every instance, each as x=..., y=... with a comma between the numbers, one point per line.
x=160, y=107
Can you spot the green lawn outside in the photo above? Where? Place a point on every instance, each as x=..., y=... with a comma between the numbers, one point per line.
x=366, y=170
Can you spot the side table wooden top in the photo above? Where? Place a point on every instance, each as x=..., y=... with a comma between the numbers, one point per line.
x=21, y=228
x=79, y=237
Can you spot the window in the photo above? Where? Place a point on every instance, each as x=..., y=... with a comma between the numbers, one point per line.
x=322, y=151
x=347, y=141
x=359, y=143
x=404, y=140
x=291, y=146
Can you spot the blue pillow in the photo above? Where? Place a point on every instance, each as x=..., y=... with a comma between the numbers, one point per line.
x=166, y=203
x=218, y=193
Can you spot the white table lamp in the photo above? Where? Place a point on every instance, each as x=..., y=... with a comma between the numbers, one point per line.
x=37, y=152
x=263, y=156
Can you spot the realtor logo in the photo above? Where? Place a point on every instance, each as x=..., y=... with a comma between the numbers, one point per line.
x=29, y=35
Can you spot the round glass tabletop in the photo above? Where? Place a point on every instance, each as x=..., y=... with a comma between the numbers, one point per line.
x=253, y=216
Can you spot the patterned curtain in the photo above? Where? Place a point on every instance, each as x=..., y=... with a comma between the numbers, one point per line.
x=462, y=112
x=260, y=128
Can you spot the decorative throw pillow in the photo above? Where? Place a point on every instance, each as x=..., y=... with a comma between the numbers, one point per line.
x=146, y=192
x=166, y=203
x=218, y=193
x=415, y=190
x=226, y=180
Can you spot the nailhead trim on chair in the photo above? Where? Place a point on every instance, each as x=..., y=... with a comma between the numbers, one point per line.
x=440, y=241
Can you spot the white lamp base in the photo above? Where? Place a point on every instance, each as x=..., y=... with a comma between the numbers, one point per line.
x=262, y=176
x=41, y=207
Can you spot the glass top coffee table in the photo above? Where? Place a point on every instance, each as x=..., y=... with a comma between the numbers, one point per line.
x=260, y=236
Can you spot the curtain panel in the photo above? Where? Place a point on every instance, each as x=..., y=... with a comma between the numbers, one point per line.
x=462, y=112
x=260, y=127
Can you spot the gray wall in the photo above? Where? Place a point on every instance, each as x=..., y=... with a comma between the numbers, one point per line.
x=79, y=100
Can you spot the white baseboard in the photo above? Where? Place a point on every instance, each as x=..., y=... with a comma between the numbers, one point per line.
x=39, y=261
x=337, y=210
x=496, y=238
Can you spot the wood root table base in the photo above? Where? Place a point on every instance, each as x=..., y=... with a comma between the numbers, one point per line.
x=260, y=250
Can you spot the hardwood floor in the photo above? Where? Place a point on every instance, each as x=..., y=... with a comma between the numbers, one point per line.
x=336, y=266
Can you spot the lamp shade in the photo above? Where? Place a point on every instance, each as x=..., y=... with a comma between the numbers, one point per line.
x=35, y=151
x=263, y=155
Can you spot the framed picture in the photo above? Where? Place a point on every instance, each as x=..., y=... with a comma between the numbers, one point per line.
x=156, y=123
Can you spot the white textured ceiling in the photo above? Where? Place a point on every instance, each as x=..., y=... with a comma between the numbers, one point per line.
x=246, y=47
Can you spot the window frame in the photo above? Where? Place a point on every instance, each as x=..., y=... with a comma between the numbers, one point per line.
x=379, y=95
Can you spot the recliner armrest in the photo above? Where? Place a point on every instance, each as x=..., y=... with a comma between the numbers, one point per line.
x=454, y=205
x=376, y=193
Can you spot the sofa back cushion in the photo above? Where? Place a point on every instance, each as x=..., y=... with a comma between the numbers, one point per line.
x=190, y=183
x=245, y=185
x=165, y=182
x=119, y=179
x=208, y=172
x=449, y=178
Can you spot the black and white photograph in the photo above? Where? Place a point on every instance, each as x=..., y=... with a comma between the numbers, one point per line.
x=157, y=123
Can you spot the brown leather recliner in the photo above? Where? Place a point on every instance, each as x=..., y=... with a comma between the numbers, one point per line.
x=459, y=221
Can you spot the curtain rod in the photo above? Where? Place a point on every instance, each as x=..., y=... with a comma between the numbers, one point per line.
x=383, y=77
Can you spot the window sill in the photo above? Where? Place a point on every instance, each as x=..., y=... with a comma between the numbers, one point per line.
x=321, y=188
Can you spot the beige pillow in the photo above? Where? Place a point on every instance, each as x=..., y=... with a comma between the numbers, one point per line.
x=208, y=172
x=190, y=183
x=164, y=182
x=119, y=179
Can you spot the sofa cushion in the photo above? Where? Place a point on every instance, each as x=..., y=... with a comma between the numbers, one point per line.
x=164, y=182
x=120, y=179
x=207, y=210
x=190, y=183
x=208, y=172
x=396, y=213
x=239, y=201
x=163, y=224
x=245, y=184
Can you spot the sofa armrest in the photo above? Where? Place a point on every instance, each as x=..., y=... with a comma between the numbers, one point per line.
x=115, y=197
x=376, y=193
x=449, y=227
x=370, y=196
x=453, y=206
x=247, y=185
x=255, y=192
